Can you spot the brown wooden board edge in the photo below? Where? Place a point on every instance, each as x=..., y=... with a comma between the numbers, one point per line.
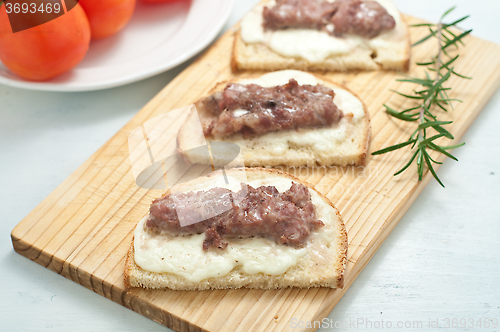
x=126, y=297
x=123, y=296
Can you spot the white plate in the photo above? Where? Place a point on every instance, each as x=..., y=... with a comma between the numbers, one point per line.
x=157, y=38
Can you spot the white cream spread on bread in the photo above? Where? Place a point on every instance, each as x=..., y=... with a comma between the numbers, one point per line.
x=184, y=256
x=313, y=45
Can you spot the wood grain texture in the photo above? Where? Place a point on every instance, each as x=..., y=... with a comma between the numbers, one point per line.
x=83, y=229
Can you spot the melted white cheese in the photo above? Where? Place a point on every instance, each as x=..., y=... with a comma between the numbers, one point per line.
x=184, y=255
x=281, y=77
x=239, y=112
x=313, y=45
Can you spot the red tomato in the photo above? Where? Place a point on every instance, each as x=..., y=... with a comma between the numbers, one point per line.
x=107, y=17
x=47, y=50
x=158, y=1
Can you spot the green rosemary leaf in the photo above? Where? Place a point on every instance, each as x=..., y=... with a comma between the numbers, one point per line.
x=440, y=82
x=445, y=36
x=440, y=149
x=430, y=139
x=429, y=166
x=433, y=124
x=446, y=31
x=426, y=109
x=443, y=131
x=448, y=97
x=445, y=26
x=407, y=96
x=408, y=164
x=447, y=100
x=462, y=76
x=455, y=40
x=421, y=92
x=447, y=12
x=422, y=25
x=434, y=161
x=426, y=63
x=393, y=147
x=415, y=132
x=449, y=62
x=441, y=90
x=433, y=33
x=410, y=109
x=451, y=147
x=422, y=40
x=432, y=96
x=443, y=95
x=454, y=35
x=429, y=114
x=402, y=116
x=442, y=107
x=417, y=81
x=420, y=164
x=405, y=117
x=423, y=133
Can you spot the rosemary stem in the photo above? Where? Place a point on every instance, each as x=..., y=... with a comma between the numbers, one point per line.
x=433, y=96
x=439, y=63
x=422, y=120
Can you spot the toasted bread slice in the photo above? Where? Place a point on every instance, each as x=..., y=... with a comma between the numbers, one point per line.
x=390, y=54
x=321, y=263
x=343, y=143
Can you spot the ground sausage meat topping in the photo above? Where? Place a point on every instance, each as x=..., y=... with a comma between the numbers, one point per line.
x=286, y=218
x=254, y=110
x=305, y=14
x=365, y=18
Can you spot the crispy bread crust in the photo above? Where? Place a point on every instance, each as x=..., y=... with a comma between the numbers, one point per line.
x=358, y=157
x=260, y=57
x=137, y=277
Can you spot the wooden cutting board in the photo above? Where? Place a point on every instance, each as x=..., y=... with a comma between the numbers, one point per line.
x=84, y=228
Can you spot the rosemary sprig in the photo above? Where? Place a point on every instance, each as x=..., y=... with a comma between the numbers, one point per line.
x=431, y=97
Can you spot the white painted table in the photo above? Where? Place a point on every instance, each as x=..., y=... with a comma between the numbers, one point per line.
x=418, y=276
